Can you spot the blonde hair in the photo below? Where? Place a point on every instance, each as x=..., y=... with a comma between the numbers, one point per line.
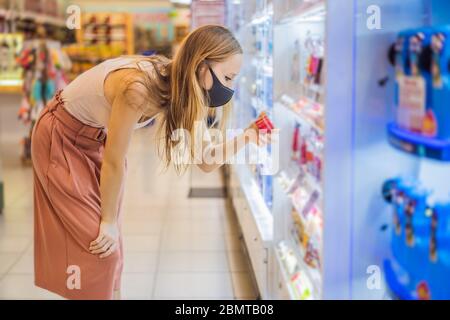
x=176, y=87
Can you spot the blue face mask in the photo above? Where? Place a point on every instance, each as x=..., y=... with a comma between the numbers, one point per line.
x=219, y=94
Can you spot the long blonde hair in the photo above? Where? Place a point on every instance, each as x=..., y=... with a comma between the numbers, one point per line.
x=176, y=87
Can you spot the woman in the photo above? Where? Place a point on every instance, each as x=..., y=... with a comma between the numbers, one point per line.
x=78, y=173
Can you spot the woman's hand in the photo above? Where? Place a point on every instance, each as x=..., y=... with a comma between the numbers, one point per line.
x=107, y=240
x=258, y=136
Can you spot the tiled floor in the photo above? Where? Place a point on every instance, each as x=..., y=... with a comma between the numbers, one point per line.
x=175, y=247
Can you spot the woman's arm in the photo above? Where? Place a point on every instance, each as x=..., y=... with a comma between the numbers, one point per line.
x=223, y=152
x=120, y=128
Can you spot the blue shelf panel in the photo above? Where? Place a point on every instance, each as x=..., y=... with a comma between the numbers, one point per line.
x=398, y=289
x=417, y=144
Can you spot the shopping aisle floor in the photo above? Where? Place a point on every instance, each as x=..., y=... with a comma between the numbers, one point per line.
x=175, y=247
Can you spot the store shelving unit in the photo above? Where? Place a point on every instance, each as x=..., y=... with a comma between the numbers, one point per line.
x=251, y=190
x=102, y=36
x=299, y=113
x=289, y=96
x=17, y=20
x=115, y=29
x=329, y=222
x=10, y=72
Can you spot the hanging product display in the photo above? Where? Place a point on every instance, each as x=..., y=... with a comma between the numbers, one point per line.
x=44, y=65
x=420, y=57
x=420, y=233
x=419, y=242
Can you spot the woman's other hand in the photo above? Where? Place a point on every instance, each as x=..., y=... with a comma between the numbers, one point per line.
x=107, y=240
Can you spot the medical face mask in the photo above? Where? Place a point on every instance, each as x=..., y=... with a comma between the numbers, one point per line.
x=219, y=94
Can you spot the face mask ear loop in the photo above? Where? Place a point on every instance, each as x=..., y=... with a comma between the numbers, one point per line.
x=206, y=91
x=213, y=74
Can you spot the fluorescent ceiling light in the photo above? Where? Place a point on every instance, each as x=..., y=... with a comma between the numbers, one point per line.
x=181, y=1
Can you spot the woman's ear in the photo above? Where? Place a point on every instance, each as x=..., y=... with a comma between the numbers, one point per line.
x=204, y=76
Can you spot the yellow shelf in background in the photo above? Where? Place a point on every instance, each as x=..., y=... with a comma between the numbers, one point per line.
x=11, y=88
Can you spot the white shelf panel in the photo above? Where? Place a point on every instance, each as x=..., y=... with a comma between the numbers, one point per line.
x=258, y=208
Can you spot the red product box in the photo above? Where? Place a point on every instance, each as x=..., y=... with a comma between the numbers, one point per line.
x=264, y=123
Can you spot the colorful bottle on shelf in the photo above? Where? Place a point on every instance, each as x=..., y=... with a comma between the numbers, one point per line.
x=296, y=152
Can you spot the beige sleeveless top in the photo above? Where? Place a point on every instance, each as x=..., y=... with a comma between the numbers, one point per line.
x=84, y=98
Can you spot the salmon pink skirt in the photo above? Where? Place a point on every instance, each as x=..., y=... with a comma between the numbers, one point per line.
x=67, y=157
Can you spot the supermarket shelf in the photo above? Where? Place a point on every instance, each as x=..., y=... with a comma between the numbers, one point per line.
x=123, y=34
x=43, y=18
x=307, y=177
x=105, y=25
x=312, y=274
x=90, y=37
x=81, y=59
x=261, y=19
x=419, y=145
x=301, y=118
x=255, y=221
x=306, y=12
x=12, y=86
x=258, y=19
x=309, y=273
x=284, y=273
x=259, y=62
x=318, y=204
x=260, y=212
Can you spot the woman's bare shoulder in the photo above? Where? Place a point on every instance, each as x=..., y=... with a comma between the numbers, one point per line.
x=130, y=83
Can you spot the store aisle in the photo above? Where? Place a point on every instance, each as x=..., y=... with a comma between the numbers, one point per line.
x=175, y=247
